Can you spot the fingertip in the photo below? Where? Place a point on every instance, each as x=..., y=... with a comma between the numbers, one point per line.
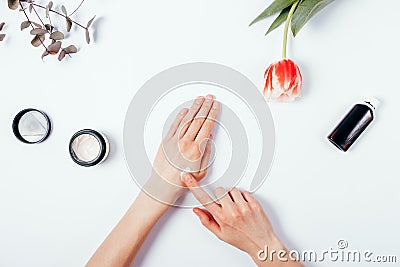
x=199, y=100
x=184, y=111
x=189, y=180
x=209, y=96
x=216, y=105
x=249, y=197
x=196, y=211
x=202, y=217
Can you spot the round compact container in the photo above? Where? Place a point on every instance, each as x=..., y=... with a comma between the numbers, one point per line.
x=88, y=148
x=31, y=126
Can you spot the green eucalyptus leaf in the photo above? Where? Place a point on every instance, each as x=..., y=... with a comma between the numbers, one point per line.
x=305, y=11
x=279, y=20
x=275, y=7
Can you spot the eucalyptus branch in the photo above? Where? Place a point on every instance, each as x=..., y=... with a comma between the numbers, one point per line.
x=41, y=21
x=47, y=33
x=31, y=24
x=62, y=15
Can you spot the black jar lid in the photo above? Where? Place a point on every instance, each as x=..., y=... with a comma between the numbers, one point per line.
x=103, y=147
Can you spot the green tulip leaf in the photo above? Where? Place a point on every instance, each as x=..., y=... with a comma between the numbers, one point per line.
x=275, y=7
x=305, y=11
x=279, y=20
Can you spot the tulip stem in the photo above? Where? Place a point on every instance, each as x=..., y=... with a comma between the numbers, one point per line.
x=285, y=33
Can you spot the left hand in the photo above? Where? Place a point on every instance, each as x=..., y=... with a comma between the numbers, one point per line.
x=187, y=145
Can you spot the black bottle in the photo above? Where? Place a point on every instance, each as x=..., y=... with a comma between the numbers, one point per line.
x=353, y=124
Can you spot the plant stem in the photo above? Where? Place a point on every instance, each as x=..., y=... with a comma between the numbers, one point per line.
x=76, y=9
x=41, y=21
x=44, y=26
x=62, y=15
x=285, y=33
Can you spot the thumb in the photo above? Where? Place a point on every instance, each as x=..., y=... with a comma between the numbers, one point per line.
x=207, y=221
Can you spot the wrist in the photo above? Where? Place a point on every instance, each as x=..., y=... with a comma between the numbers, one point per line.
x=275, y=242
x=269, y=245
x=162, y=190
x=150, y=206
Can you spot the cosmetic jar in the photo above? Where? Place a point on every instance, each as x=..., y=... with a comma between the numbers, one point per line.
x=31, y=126
x=88, y=147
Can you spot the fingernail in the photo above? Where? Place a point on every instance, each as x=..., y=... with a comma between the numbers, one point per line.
x=183, y=111
x=215, y=105
x=188, y=178
x=199, y=100
x=209, y=98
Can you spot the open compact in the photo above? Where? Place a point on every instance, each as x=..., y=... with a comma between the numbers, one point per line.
x=31, y=126
x=88, y=147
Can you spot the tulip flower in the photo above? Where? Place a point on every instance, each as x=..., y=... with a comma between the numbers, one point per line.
x=283, y=80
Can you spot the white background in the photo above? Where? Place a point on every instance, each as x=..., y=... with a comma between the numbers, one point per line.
x=55, y=213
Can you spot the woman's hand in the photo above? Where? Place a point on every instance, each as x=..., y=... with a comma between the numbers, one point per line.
x=239, y=220
x=186, y=147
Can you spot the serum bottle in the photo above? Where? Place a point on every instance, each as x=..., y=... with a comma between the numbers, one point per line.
x=354, y=124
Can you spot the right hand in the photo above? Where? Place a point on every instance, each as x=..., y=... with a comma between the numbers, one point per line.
x=238, y=219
